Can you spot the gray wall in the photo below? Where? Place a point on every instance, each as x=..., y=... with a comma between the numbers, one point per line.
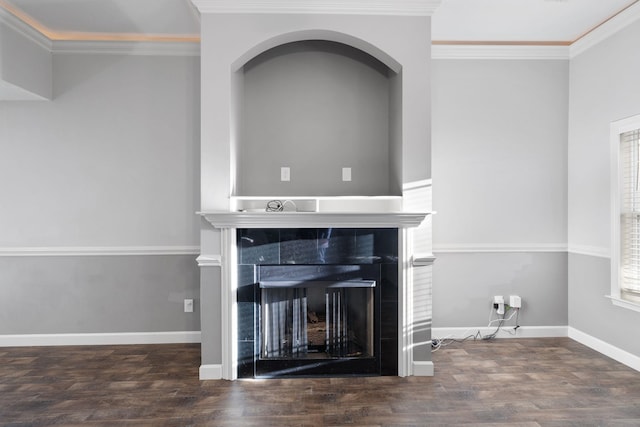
x=604, y=88
x=464, y=284
x=316, y=107
x=25, y=66
x=110, y=164
x=97, y=294
x=499, y=179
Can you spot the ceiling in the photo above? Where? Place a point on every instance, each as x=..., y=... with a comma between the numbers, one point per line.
x=537, y=22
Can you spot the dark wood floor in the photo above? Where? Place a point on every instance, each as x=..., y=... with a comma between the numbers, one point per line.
x=509, y=382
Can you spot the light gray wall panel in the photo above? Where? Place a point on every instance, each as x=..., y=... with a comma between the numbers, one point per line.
x=464, y=285
x=499, y=151
x=590, y=312
x=604, y=88
x=98, y=294
x=111, y=161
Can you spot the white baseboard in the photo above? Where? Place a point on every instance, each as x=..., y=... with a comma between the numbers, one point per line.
x=210, y=372
x=617, y=354
x=423, y=369
x=115, y=338
x=521, y=332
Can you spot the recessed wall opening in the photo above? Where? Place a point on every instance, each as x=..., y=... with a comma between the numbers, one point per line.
x=317, y=106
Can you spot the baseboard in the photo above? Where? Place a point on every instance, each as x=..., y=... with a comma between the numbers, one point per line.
x=507, y=332
x=617, y=354
x=30, y=340
x=423, y=369
x=210, y=372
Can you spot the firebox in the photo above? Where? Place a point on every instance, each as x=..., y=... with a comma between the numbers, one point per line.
x=310, y=302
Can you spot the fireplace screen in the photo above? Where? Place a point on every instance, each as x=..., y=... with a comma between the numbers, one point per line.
x=317, y=320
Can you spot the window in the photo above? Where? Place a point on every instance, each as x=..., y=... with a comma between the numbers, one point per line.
x=625, y=239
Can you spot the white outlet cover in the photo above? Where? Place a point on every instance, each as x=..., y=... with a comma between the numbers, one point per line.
x=346, y=174
x=285, y=173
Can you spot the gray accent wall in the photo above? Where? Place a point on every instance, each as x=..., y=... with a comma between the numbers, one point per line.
x=604, y=88
x=464, y=284
x=316, y=107
x=110, y=165
x=97, y=294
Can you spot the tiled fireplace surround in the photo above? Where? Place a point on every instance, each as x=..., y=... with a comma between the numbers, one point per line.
x=398, y=36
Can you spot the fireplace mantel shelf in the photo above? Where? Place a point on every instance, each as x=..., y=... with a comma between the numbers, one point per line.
x=222, y=219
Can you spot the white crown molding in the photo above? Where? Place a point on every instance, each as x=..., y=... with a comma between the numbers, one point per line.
x=499, y=52
x=593, y=251
x=127, y=48
x=345, y=7
x=115, y=338
x=499, y=247
x=616, y=353
x=606, y=30
x=24, y=29
x=98, y=251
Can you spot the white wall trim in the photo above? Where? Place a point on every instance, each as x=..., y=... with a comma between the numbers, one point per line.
x=24, y=29
x=111, y=338
x=619, y=302
x=606, y=30
x=210, y=372
x=361, y=7
x=499, y=247
x=160, y=48
x=443, y=51
x=617, y=354
x=209, y=261
x=594, y=251
x=521, y=332
x=98, y=251
x=423, y=369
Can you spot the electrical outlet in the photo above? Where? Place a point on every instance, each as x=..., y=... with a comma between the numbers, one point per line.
x=285, y=173
x=188, y=306
x=515, y=301
x=498, y=304
x=346, y=174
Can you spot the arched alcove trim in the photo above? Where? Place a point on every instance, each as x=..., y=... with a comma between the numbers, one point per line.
x=327, y=35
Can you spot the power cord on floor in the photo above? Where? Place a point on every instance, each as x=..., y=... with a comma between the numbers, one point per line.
x=438, y=343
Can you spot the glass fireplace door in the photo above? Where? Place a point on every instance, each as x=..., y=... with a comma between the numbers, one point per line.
x=316, y=319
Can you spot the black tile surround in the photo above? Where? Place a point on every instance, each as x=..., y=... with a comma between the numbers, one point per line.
x=373, y=251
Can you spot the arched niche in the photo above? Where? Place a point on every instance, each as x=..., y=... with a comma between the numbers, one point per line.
x=317, y=106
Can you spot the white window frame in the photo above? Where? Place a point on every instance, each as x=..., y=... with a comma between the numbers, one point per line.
x=618, y=128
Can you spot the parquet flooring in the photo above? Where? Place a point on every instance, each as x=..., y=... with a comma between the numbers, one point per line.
x=509, y=382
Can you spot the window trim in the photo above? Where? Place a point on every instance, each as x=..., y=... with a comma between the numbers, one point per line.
x=618, y=128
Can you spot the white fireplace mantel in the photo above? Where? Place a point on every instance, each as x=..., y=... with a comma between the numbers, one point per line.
x=223, y=219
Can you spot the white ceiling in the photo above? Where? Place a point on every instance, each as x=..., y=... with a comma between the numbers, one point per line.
x=518, y=21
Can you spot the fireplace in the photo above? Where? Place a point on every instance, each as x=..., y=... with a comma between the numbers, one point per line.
x=347, y=149
x=311, y=302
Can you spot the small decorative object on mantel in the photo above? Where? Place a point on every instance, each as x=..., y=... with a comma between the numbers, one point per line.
x=280, y=206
